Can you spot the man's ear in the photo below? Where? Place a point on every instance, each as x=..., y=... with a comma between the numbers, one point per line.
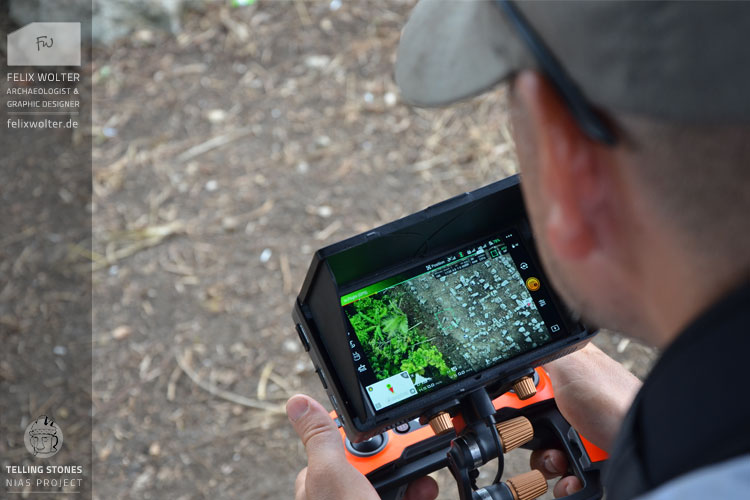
x=567, y=170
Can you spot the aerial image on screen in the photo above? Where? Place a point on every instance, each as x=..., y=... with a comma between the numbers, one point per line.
x=441, y=325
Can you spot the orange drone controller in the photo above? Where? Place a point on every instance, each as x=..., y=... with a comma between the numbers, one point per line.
x=410, y=450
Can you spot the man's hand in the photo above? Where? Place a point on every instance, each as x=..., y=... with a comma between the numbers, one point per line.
x=328, y=475
x=593, y=393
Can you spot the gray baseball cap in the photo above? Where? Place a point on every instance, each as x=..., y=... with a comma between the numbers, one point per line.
x=682, y=61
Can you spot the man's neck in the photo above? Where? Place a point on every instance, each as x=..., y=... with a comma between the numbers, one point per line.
x=678, y=287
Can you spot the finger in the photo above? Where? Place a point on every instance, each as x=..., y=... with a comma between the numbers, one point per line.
x=551, y=463
x=316, y=429
x=424, y=488
x=299, y=485
x=567, y=486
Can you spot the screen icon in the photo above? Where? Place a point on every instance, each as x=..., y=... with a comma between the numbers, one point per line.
x=533, y=284
x=392, y=390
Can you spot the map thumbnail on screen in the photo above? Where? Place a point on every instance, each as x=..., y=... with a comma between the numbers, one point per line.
x=445, y=324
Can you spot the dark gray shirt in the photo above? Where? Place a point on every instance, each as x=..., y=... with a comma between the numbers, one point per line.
x=728, y=480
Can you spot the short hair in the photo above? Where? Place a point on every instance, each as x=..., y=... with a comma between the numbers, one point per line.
x=699, y=175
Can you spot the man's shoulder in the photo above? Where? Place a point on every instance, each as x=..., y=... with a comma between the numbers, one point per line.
x=665, y=436
x=727, y=480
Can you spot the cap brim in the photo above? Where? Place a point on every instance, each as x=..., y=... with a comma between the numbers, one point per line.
x=452, y=50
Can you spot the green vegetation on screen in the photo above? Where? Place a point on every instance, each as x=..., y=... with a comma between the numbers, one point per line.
x=390, y=343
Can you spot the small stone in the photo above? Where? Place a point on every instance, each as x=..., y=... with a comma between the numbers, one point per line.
x=291, y=345
x=265, y=255
x=60, y=350
x=326, y=25
x=212, y=185
x=216, y=115
x=390, y=99
x=109, y=132
x=146, y=36
x=121, y=332
x=230, y=223
x=155, y=449
x=317, y=61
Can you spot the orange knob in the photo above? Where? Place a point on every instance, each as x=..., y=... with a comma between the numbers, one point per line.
x=514, y=433
x=527, y=486
x=524, y=388
x=441, y=423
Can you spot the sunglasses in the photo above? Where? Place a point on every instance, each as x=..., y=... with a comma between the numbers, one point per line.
x=588, y=119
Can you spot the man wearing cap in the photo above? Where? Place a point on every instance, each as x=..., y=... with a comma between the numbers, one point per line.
x=632, y=129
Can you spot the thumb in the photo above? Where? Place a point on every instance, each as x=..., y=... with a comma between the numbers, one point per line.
x=316, y=429
x=329, y=476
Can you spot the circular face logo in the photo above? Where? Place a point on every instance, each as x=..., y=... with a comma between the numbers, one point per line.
x=43, y=437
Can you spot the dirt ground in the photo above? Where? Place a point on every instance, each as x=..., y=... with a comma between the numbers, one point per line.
x=223, y=157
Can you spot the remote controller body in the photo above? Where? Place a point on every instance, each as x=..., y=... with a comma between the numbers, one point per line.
x=400, y=455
